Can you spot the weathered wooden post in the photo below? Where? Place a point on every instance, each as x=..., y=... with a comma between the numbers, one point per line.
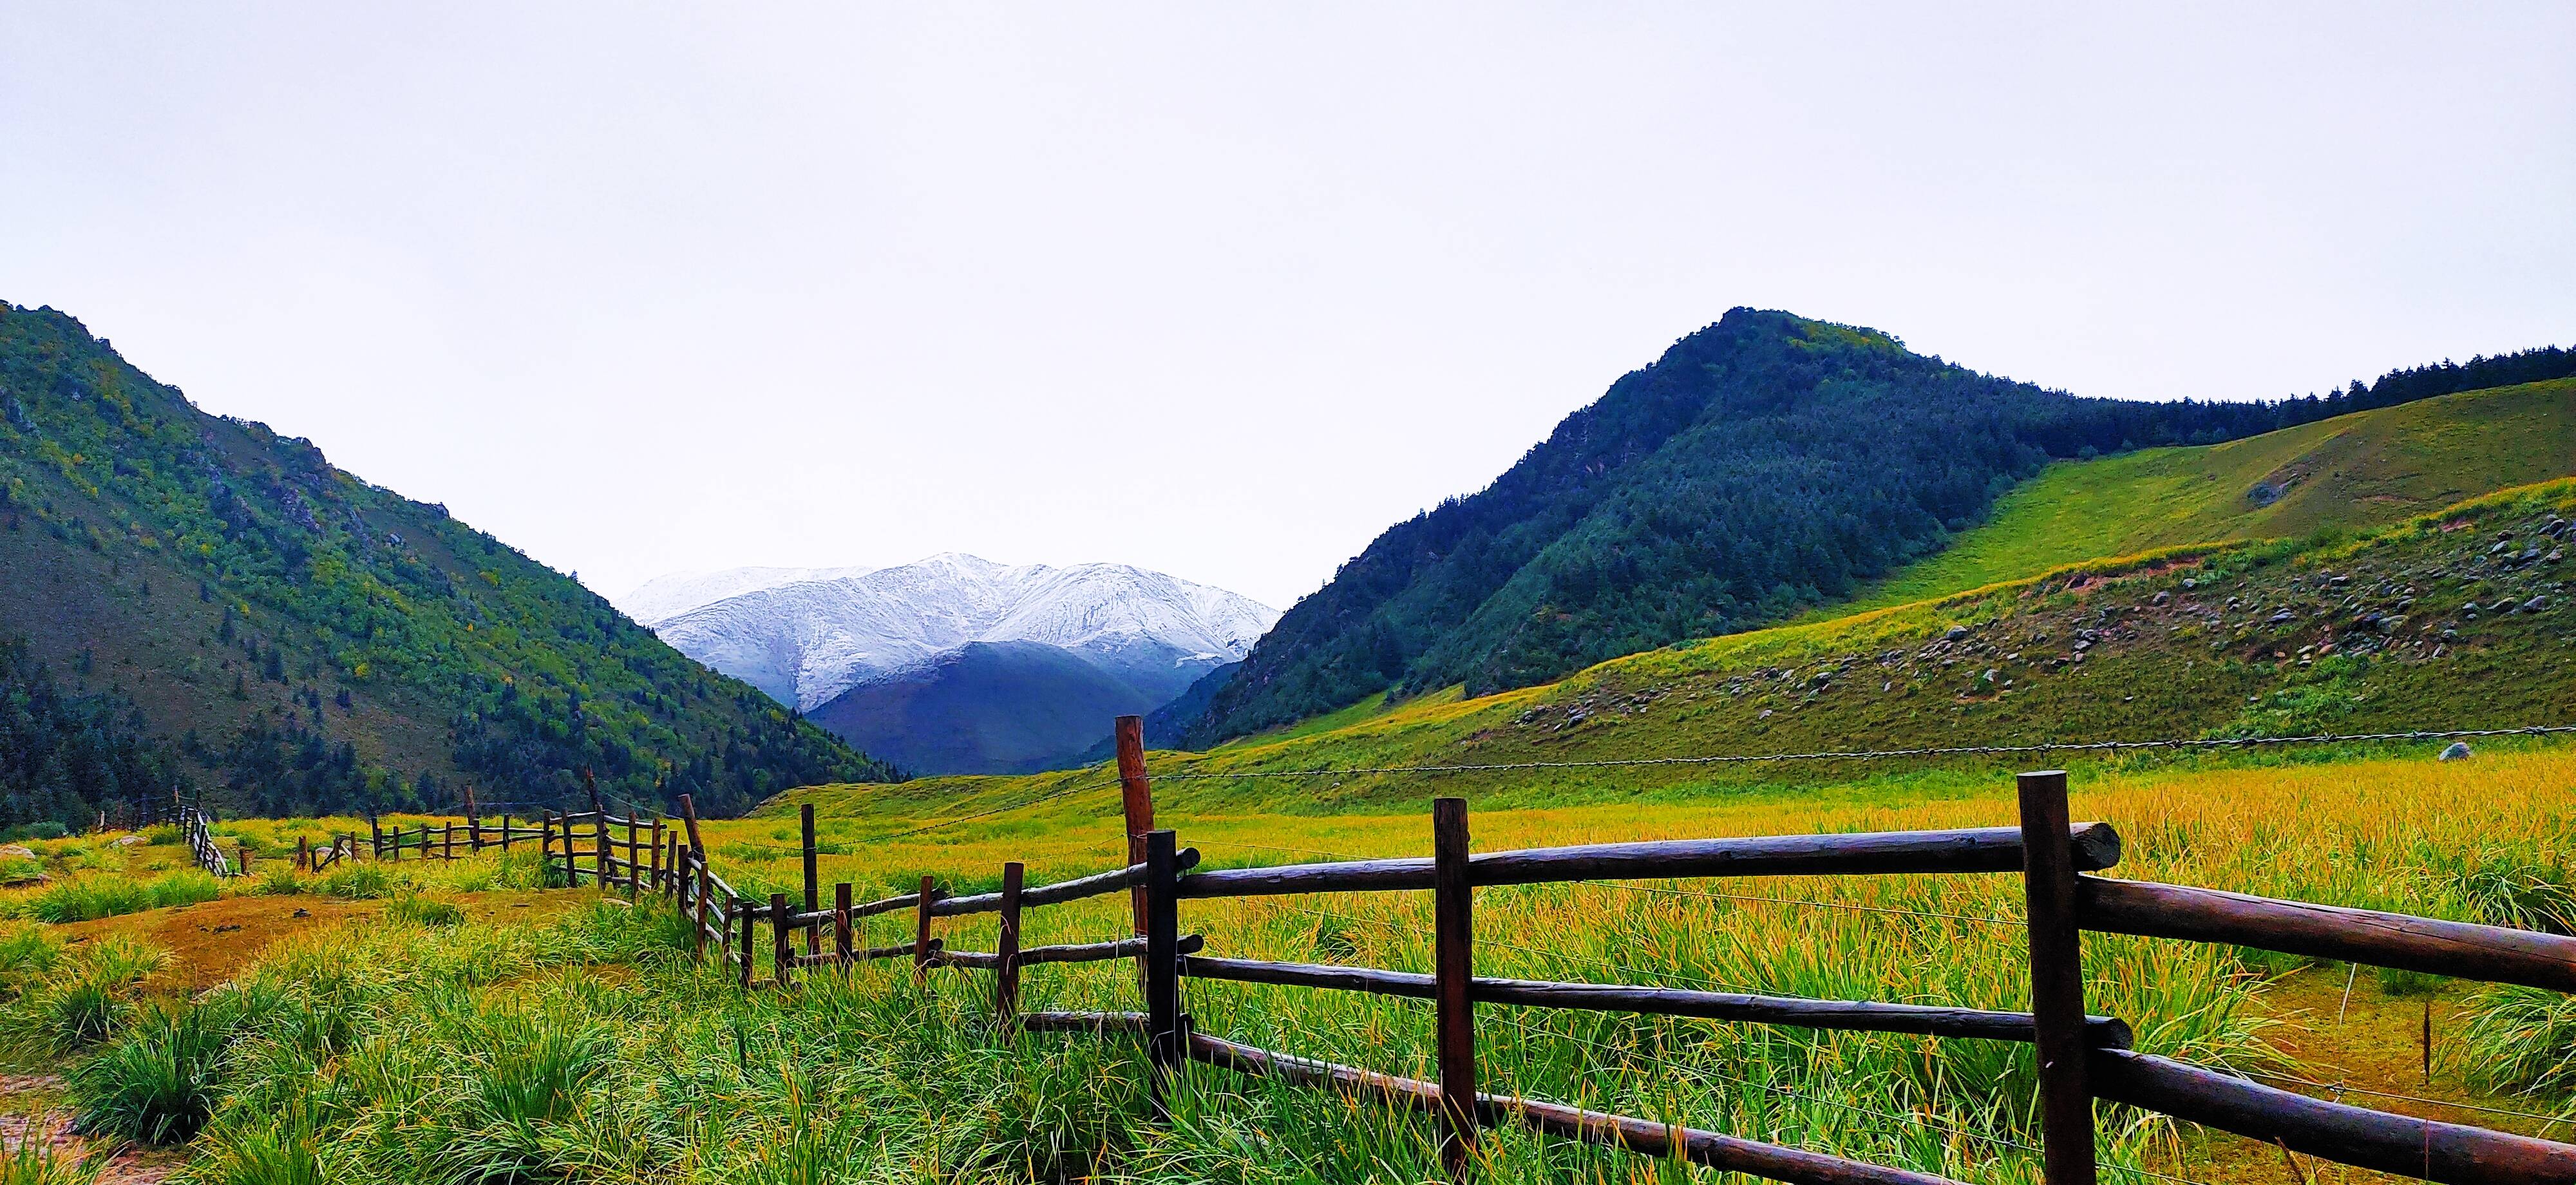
x=661, y=867
x=245, y=857
x=744, y=947
x=697, y=869
x=1162, y=963
x=2056, y=981
x=1453, y=909
x=634, y=862
x=813, y=886
x=599, y=858
x=782, y=949
x=1136, y=805
x=1006, y=965
x=473, y=824
x=841, y=923
x=447, y=841
x=375, y=836
x=921, y=931
x=505, y=831
x=303, y=854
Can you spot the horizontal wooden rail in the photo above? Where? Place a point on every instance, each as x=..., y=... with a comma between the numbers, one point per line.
x=1086, y=952
x=2447, y=1152
x=1846, y=1015
x=1971, y=849
x=1644, y=1136
x=2462, y=950
x=1058, y=893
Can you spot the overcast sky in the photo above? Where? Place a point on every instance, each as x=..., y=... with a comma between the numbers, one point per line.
x=1214, y=291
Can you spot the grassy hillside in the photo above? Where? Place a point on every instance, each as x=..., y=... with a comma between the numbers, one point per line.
x=2373, y=633
x=311, y=641
x=2366, y=469
x=1763, y=466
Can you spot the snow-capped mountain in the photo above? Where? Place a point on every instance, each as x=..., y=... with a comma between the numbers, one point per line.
x=665, y=597
x=809, y=642
x=957, y=664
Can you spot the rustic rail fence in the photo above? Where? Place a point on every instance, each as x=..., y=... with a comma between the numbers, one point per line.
x=2081, y=1058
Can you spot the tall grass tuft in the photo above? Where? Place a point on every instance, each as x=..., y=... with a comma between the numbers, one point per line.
x=93, y=897
x=37, y=1161
x=2521, y=1040
x=359, y=882
x=158, y=1083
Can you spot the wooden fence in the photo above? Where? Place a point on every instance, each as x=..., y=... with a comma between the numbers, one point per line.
x=2081, y=1057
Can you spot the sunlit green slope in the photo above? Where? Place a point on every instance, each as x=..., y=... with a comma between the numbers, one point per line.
x=2361, y=470
x=2451, y=620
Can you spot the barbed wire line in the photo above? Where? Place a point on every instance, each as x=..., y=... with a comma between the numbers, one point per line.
x=1873, y=754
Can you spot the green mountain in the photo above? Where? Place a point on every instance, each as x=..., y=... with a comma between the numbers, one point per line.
x=2364, y=469
x=306, y=641
x=2455, y=620
x=1765, y=465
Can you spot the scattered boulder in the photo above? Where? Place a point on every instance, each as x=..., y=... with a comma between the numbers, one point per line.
x=2459, y=751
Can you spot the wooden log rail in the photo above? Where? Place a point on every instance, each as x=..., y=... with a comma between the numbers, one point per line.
x=1643, y=1136
x=1965, y=850
x=1845, y=1015
x=2461, y=950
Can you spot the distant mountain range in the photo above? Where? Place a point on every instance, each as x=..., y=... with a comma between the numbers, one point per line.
x=957, y=664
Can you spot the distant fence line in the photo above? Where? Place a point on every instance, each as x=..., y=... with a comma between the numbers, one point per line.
x=2080, y=1057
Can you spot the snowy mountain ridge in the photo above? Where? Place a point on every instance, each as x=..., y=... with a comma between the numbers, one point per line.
x=807, y=641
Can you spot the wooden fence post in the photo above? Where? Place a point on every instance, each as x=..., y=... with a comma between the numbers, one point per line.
x=473, y=824
x=1136, y=803
x=375, y=836
x=782, y=951
x=661, y=867
x=813, y=887
x=1006, y=951
x=447, y=841
x=921, y=931
x=841, y=923
x=1163, y=1021
x=2056, y=981
x=693, y=908
x=245, y=857
x=1453, y=914
x=599, y=859
x=745, y=944
x=303, y=854
x=634, y=864
x=697, y=867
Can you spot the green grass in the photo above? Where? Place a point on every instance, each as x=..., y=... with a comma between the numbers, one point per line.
x=89, y=898
x=2363, y=470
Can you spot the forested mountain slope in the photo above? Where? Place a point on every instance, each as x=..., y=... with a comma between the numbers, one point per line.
x=1763, y=465
x=2460, y=619
x=2359, y=470
x=312, y=642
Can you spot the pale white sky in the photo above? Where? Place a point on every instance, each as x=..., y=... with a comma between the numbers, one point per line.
x=1217, y=291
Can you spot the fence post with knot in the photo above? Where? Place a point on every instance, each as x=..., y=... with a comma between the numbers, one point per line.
x=2056, y=981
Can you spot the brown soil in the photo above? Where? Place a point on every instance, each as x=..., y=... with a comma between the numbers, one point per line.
x=211, y=941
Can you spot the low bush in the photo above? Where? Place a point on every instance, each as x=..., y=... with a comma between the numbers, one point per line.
x=280, y=880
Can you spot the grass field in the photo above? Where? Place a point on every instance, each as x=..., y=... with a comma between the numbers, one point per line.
x=428, y=1022
x=379, y=1041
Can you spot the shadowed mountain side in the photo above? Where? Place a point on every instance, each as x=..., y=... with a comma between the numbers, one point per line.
x=986, y=707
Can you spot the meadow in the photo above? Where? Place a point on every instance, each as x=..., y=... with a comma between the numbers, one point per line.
x=578, y=1041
